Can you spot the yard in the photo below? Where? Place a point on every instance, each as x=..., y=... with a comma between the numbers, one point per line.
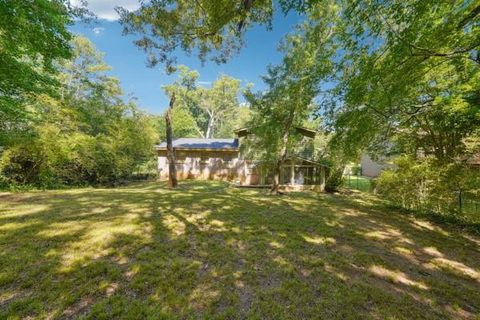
x=210, y=251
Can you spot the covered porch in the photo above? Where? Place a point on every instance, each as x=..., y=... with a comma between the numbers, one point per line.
x=295, y=174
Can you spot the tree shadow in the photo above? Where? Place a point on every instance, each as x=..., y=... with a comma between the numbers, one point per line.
x=210, y=251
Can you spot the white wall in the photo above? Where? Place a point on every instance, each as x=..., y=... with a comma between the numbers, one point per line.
x=372, y=168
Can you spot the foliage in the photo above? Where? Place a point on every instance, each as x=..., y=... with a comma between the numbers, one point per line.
x=87, y=135
x=33, y=35
x=407, y=77
x=427, y=185
x=216, y=110
x=213, y=29
x=334, y=178
x=292, y=87
x=184, y=124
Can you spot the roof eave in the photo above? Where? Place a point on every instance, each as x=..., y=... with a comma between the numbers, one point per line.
x=199, y=149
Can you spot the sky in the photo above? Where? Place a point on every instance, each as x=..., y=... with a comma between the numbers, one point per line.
x=129, y=63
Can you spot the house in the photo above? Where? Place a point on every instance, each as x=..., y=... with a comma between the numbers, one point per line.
x=371, y=168
x=221, y=159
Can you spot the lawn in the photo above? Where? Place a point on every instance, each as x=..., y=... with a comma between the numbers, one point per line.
x=211, y=251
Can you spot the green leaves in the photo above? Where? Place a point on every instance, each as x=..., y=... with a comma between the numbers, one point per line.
x=33, y=34
x=86, y=134
x=408, y=70
x=214, y=108
x=212, y=29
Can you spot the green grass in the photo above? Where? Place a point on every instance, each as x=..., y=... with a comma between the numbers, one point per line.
x=214, y=252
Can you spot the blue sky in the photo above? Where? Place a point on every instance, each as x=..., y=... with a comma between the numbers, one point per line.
x=128, y=62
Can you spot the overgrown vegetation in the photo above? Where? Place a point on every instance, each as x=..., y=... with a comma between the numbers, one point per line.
x=85, y=136
x=429, y=186
x=209, y=251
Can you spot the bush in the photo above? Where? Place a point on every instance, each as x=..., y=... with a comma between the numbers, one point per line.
x=356, y=170
x=334, y=179
x=53, y=158
x=426, y=185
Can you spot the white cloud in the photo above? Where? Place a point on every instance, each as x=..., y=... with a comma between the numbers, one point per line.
x=105, y=9
x=98, y=30
x=205, y=83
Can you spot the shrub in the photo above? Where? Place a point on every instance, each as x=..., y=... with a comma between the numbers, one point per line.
x=356, y=170
x=334, y=179
x=426, y=185
x=53, y=158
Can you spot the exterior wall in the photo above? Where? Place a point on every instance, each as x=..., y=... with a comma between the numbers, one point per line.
x=207, y=165
x=371, y=168
x=227, y=165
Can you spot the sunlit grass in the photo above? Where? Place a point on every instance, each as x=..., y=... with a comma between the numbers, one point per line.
x=209, y=251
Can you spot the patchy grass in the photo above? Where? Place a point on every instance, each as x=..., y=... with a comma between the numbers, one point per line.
x=210, y=251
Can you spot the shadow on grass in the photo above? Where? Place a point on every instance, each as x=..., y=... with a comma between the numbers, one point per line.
x=210, y=251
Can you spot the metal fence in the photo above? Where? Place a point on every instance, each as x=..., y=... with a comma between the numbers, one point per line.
x=468, y=203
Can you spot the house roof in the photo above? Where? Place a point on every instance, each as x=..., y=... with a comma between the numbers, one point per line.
x=206, y=144
x=243, y=132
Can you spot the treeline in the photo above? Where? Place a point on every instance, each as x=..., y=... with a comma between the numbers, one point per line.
x=85, y=133
x=82, y=133
x=212, y=111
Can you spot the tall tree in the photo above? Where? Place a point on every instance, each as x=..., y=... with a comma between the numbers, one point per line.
x=88, y=134
x=219, y=103
x=172, y=169
x=33, y=34
x=214, y=108
x=407, y=77
x=292, y=87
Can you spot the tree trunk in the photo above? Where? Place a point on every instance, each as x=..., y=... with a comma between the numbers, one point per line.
x=278, y=165
x=282, y=155
x=172, y=170
x=211, y=123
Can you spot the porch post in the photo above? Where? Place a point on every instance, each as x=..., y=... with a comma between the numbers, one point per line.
x=322, y=178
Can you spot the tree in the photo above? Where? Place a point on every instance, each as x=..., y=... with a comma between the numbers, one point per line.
x=219, y=104
x=33, y=36
x=172, y=169
x=407, y=77
x=212, y=29
x=206, y=25
x=214, y=109
x=183, y=124
x=292, y=87
x=85, y=135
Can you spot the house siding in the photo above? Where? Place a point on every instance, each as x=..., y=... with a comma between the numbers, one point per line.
x=208, y=165
x=372, y=168
x=227, y=165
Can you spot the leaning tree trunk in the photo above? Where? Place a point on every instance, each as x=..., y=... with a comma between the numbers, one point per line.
x=282, y=155
x=172, y=170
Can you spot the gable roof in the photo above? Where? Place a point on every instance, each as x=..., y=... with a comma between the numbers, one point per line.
x=205, y=144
